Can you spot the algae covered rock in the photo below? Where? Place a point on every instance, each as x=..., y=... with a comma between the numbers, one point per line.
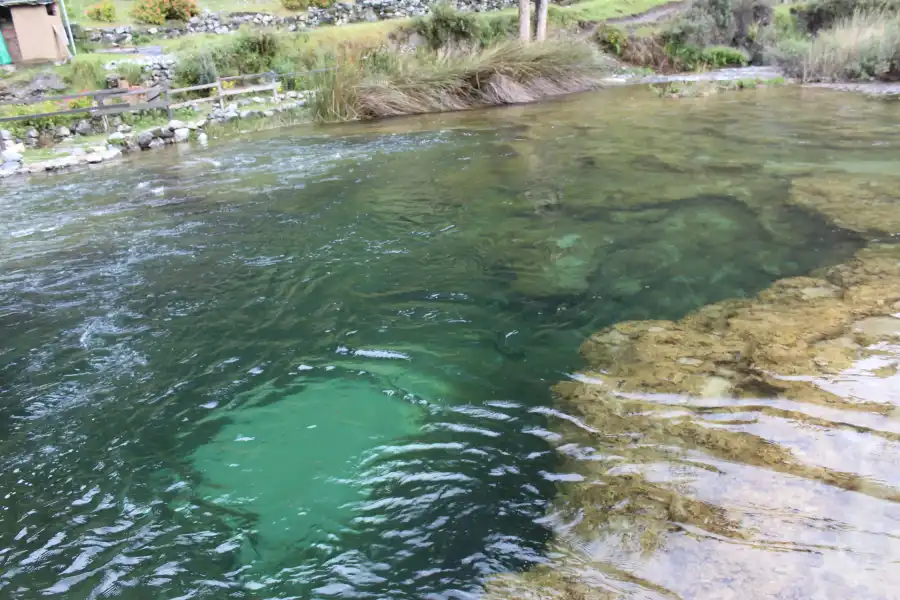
x=859, y=203
x=696, y=444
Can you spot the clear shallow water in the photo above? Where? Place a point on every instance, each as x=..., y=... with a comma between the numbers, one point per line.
x=317, y=363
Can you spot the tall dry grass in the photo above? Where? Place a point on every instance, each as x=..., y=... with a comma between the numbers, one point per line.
x=863, y=47
x=510, y=73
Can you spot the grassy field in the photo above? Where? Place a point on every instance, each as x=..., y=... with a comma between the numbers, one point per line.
x=590, y=10
x=77, y=9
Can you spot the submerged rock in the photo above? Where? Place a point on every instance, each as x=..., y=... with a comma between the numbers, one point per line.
x=681, y=432
x=855, y=202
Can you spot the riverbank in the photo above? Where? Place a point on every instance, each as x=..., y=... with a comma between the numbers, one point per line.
x=260, y=115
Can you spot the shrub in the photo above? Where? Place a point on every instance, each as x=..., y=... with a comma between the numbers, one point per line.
x=295, y=4
x=723, y=56
x=611, y=39
x=864, y=47
x=825, y=14
x=196, y=69
x=84, y=102
x=720, y=23
x=103, y=11
x=157, y=12
x=85, y=74
x=251, y=51
x=321, y=3
x=132, y=73
x=445, y=25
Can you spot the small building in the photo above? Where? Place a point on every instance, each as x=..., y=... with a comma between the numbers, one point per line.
x=32, y=32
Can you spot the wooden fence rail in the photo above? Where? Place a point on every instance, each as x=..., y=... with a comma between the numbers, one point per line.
x=157, y=97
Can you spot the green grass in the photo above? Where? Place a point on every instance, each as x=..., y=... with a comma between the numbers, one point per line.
x=599, y=10
x=590, y=10
x=77, y=9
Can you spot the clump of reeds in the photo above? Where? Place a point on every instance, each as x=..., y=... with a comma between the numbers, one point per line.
x=509, y=73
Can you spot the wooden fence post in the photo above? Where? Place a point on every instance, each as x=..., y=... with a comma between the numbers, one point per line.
x=103, y=117
x=219, y=93
x=273, y=77
x=168, y=100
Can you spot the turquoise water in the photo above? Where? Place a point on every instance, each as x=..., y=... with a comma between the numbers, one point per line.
x=317, y=363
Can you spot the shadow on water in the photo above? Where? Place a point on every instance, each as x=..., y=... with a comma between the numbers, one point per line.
x=324, y=369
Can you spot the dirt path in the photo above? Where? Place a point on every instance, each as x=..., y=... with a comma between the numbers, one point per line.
x=663, y=12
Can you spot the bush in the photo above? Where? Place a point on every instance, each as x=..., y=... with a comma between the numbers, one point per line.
x=825, y=14
x=196, y=69
x=865, y=47
x=723, y=56
x=85, y=74
x=157, y=12
x=103, y=11
x=132, y=73
x=612, y=40
x=321, y=3
x=446, y=26
x=251, y=51
x=295, y=4
x=721, y=23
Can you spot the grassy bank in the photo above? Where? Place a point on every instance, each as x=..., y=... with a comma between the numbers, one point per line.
x=376, y=86
x=863, y=47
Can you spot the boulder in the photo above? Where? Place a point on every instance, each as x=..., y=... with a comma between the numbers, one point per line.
x=164, y=132
x=6, y=135
x=116, y=139
x=7, y=169
x=182, y=134
x=84, y=127
x=202, y=139
x=157, y=143
x=111, y=153
x=61, y=132
x=124, y=128
x=144, y=139
x=10, y=156
x=94, y=158
x=173, y=125
x=32, y=134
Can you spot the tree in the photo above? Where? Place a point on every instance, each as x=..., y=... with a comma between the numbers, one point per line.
x=525, y=20
x=540, y=29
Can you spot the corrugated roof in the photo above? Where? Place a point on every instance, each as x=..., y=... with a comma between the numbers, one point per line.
x=25, y=2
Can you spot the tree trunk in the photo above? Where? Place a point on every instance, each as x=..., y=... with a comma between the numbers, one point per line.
x=541, y=18
x=525, y=20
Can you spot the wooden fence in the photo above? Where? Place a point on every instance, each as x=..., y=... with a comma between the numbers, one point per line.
x=156, y=97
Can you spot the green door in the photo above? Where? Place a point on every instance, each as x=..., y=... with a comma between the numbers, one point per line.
x=5, y=59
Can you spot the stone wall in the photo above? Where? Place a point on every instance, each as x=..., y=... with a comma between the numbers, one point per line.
x=340, y=13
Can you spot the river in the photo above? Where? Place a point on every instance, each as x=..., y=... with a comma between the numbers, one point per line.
x=318, y=362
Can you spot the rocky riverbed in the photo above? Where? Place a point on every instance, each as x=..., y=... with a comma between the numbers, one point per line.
x=809, y=355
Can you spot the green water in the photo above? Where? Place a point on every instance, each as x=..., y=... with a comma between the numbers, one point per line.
x=317, y=362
